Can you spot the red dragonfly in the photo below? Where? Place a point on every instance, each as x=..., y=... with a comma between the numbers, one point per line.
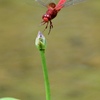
x=53, y=10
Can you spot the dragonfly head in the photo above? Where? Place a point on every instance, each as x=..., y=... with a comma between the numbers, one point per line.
x=46, y=17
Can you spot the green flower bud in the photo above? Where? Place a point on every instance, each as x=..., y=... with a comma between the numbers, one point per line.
x=40, y=41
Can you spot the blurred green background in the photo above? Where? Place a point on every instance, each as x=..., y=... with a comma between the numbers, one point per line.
x=73, y=51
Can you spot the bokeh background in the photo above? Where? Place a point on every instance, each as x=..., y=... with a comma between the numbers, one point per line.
x=73, y=51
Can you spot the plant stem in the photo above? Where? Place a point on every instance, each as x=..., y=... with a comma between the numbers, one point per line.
x=45, y=72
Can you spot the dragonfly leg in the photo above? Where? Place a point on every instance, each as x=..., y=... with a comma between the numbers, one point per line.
x=51, y=26
x=42, y=23
x=46, y=26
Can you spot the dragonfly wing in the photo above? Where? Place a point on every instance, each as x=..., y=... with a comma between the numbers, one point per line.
x=42, y=3
x=60, y=4
x=72, y=2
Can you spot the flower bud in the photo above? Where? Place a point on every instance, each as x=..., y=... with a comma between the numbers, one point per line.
x=40, y=41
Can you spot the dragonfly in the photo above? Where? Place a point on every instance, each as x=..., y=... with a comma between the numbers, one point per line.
x=53, y=9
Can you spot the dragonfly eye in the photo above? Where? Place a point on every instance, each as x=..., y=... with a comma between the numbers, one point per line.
x=47, y=16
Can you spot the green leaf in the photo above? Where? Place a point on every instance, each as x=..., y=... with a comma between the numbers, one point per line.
x=8, y=98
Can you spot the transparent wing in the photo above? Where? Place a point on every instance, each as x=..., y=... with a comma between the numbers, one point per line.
x=41, y=2
x=72, y=2
x=68, y=2
x=44, y=2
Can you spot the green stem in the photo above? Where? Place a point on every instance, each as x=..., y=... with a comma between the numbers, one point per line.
x=45, y=72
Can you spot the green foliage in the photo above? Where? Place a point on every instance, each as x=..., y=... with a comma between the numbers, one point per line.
x=8, y=98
